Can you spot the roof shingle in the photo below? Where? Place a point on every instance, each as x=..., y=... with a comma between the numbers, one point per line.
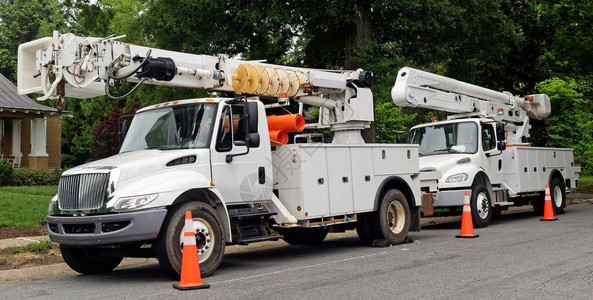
x=10, y=99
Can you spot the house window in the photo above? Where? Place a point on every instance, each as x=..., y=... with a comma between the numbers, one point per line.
x=38, y=137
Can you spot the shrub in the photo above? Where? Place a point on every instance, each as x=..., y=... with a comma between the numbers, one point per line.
x=6, y=172
x=30, y=177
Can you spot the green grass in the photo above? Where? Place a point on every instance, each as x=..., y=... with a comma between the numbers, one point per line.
x=24, y=205
x=43, y=245
x=585, y=179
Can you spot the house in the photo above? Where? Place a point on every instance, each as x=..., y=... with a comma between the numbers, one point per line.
x=29, y=131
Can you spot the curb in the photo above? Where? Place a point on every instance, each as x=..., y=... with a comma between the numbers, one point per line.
x=20, y=241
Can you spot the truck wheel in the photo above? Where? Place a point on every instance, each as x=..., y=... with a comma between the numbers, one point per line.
x=210, y=239
x=392, y=221
x=538, y=205
x=558, y=196
x=304, y=236
x=363, y=228
x=89, y=260
x=481, y=205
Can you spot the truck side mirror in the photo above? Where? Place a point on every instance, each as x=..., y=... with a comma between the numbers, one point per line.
x=501, y=146
x=251, y=115
x=500, y=133
x=123, y=128
x=251, y=112
x=250, y=118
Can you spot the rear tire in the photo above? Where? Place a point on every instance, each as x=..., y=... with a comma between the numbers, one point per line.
x=363, y=228
x=210, y=238
x=89, y=260
x=304, y=236
x=558, y=195
x=392, y=221
x=538, y=205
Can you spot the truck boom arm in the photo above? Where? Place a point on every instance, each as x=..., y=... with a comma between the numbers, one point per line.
x=416, y=88
x=82, y=67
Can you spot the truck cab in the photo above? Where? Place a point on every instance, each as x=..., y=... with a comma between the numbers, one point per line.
x=173, y=152
x=463, y=155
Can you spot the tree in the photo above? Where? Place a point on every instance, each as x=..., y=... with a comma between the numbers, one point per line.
x=569, y=43
x=571, y=123
x=106, y=139
x=22, y=21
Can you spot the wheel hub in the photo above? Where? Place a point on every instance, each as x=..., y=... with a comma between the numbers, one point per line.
x=204, y=238
x=558, y=196
x=482, y=205
x=396, y=217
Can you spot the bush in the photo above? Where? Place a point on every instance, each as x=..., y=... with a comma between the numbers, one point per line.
x=30, y=177
x=6, y=172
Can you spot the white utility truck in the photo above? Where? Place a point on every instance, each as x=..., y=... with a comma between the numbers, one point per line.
x=216, y=157
x=468, y=150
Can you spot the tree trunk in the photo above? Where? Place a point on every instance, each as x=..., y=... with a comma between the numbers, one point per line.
x=358, y=33
x=358, y=36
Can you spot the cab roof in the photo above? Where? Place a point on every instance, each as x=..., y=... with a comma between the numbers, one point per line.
x=186, y=101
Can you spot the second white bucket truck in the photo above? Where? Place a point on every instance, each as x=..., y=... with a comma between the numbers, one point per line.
x=484, y=147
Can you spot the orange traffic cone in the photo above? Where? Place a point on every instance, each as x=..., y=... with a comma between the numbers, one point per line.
x=548, y=208
x=467, y=227
x=190, y=266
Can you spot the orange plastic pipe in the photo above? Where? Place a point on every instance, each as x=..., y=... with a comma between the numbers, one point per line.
x=278, y=137
x=288, y=123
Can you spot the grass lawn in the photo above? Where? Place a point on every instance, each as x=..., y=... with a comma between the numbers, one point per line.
x=585, y=179
x=24, y=205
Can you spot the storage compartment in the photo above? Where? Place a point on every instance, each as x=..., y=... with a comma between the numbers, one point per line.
x=528, y=169
x=326, y=180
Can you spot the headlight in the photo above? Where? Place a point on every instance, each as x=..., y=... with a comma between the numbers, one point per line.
x=52, y=203
x=134, y=201
x=457, y=177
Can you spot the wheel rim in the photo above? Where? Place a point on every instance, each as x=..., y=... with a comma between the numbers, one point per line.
x=558, y=196
x=396, y=217
x=482, y=205
x=204, y=239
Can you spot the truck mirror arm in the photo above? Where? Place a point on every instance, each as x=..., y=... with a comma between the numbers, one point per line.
x=229, y=157
x=501, y=147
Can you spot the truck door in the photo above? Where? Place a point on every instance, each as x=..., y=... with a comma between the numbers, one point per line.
x=242, y=180
x=492, y=161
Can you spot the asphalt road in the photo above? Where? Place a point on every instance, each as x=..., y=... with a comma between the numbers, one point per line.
x=517, y=257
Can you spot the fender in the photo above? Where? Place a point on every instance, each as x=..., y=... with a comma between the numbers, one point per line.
x=556, y=173
x=398, y=183
x=483, y=178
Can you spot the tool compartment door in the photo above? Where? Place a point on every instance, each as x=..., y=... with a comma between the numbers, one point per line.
x=315, y=183
x=340, y=180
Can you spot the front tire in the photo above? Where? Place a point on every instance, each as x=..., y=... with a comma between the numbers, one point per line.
x=210, y=238
x=88, y=260
x=481, y=206
x=391, y=222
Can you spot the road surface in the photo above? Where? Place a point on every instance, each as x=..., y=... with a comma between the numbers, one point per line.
x=517, y=257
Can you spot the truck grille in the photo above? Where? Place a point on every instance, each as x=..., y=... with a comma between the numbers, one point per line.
x=83, y=191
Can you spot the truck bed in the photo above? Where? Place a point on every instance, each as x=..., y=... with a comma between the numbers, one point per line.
x=325, y=180
x=528, y=169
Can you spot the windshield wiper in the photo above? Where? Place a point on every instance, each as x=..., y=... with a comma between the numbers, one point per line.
x=167, y=147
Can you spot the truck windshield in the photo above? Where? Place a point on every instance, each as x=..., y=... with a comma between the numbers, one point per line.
x=445, y=138
x=176, y=127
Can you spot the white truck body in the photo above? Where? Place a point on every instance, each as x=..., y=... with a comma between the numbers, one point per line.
x=316, y=181
x=186, y=155
x=468, y=151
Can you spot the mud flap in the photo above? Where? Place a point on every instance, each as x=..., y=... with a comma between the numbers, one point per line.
x=427, y=207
